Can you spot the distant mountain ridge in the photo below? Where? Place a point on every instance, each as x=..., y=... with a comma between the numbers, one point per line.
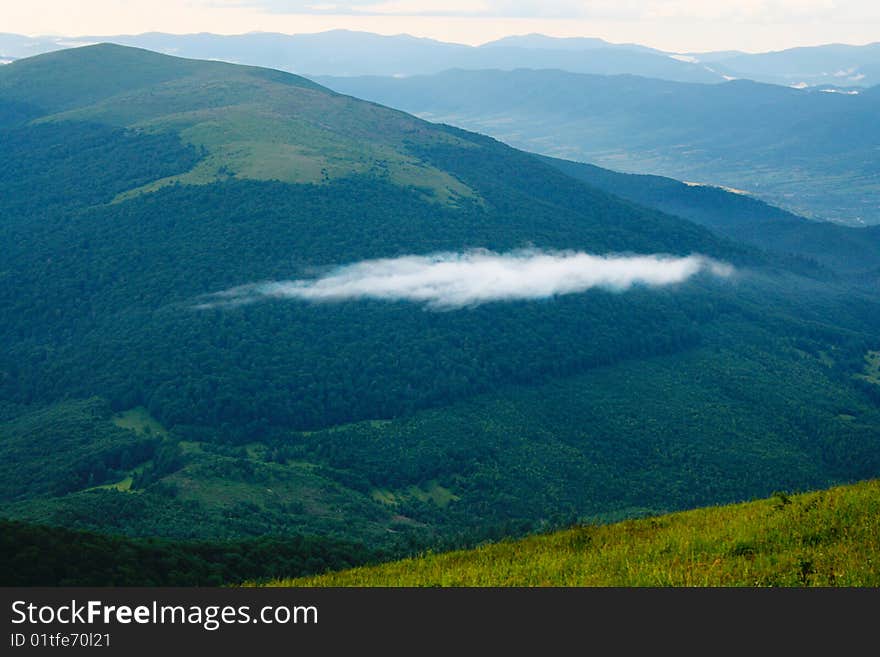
x=837, y=64
x=344, y=52
x=810, y=152
x=578, y=44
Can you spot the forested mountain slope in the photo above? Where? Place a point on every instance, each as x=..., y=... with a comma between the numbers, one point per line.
x=141, y=195
x=811, y=152
x=849, y=251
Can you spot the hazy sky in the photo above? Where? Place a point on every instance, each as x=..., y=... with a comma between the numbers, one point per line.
x=676, y=25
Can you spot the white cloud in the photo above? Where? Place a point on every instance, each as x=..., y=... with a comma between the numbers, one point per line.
x=456, y=280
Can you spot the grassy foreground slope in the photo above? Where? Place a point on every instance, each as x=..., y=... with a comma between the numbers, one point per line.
x=824, y=538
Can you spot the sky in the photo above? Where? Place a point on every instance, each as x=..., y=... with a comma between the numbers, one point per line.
x=672, y=25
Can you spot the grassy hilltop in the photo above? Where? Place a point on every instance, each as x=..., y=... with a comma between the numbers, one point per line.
x=824, y=538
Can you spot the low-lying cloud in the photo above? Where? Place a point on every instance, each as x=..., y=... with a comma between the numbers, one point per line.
x=456, y=280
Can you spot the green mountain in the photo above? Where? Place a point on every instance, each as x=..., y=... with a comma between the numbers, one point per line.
x=144, y=393
x=806, y=150
x=254, y=124
x=823, y=538
x=849, y=251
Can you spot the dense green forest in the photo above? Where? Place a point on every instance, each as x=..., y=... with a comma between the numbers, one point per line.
x=125, y=275
x=145, y=184
x=34, y=555
x=717, y=423
x=56, y=450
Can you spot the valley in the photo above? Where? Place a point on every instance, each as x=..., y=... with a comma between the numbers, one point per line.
x=151, y=403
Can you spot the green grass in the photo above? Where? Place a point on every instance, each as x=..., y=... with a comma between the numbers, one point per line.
x=872, y=368
x=824, y=538
x=140, y=421
x=431, y=492
x=254, y=125
x=122, y=486
x=435, y=493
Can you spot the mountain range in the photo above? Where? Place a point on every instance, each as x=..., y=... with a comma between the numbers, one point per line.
x=839, y=65
x=238, y=304
x=343, y=52
x=691, y=116
x=809, y=151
